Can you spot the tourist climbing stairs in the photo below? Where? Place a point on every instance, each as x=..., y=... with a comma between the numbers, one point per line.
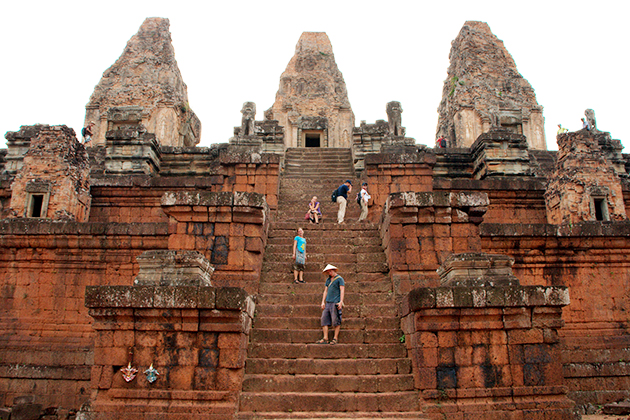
x=287, y=375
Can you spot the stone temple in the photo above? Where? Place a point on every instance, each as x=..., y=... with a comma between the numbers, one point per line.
x=146, y=277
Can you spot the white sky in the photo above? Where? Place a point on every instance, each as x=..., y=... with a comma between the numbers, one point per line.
x=574, y=54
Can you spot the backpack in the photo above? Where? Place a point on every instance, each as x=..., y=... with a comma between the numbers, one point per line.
x=359, y=198
x=334, y=195
x=83, y=131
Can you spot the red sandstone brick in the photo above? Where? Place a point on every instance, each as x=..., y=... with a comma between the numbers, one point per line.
x=427, y=356
x=446, y=356
x=498, y=354
x=463, y=355
x=232, y=341
x=447, y=338
x=229, y=379
x=235, y=257
x=525, y=336
x=181, y=242
x=181, y=377
x=221, y=229
x=232, y=358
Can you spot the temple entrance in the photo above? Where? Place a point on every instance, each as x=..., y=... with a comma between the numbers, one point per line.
x=313, y=139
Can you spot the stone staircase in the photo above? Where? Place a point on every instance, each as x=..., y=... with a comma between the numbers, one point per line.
x=287, y=375
x=309, y=162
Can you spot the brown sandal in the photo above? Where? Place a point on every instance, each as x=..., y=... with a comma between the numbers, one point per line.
x=333, y=341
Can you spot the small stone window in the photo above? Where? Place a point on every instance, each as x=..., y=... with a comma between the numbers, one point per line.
x=601, y=209
x=37, y=197
x=37, y=205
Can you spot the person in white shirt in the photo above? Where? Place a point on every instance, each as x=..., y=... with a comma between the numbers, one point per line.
x=365, y=197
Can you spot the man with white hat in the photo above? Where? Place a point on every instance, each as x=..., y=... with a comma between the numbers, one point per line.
x=332, y=302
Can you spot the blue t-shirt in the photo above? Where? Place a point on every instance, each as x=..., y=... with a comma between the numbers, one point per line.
x=343, y=191
x=301, y=244
x=334, y=292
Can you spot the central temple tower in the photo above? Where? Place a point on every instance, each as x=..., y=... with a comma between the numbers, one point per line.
x=312, y=102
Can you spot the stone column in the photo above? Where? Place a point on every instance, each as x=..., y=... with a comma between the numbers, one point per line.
x=483, y=346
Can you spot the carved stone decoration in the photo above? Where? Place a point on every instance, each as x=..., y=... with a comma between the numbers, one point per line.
x=484, y=89
x=495, y=121
x=590, y=118
x=248, y=119
x=394, y=119
x=173, y=268
x=585, y=185
x=145, y=86
x=313, y=87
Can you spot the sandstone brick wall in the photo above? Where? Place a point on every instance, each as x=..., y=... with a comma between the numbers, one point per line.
x=388, y=173
x=510, y=200
x=487, y=352
x=46, y=347
x=420, y=230
x=592, y=259
x=196, y=338
x=136, y=198
x=230, y=229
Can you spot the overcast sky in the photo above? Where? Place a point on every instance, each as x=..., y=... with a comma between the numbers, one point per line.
x=574, y=54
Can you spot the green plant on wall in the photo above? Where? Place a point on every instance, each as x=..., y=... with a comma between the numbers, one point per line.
x=454, y=82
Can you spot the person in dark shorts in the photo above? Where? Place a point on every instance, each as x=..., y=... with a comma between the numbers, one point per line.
x=332, y=304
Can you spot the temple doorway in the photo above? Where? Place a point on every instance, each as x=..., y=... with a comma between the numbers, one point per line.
x=313, y=139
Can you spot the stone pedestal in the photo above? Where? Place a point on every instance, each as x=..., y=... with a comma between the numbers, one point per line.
x=500, y=152
x=132, y=151
x=482, y=346
x=194, y=336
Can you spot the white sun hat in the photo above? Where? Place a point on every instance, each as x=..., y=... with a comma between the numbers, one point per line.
x=329, y=267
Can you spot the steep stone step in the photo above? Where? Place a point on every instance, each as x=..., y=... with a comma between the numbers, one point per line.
x=355, y=296
x=328, y=401
x=281, y=366
x=283, y=283
x=293, y=323
x=319, y=257
x=356, y=311
x=323, y=351
x=348, y=228
x=328, y=383
x=314, y=247
x=280, y=237
x=349, y=267
x=359, y=415
x=306, y=336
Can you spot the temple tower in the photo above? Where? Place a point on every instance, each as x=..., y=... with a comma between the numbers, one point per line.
x=484, y=89
x=144, y=86
x=312, y=102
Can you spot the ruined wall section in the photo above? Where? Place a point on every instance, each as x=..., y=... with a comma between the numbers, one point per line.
x=484, y=89
x=585, y=185
x=145, y=86
x=221, y=168
x=53, y=181
x=592, y=259
x=312, y=98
